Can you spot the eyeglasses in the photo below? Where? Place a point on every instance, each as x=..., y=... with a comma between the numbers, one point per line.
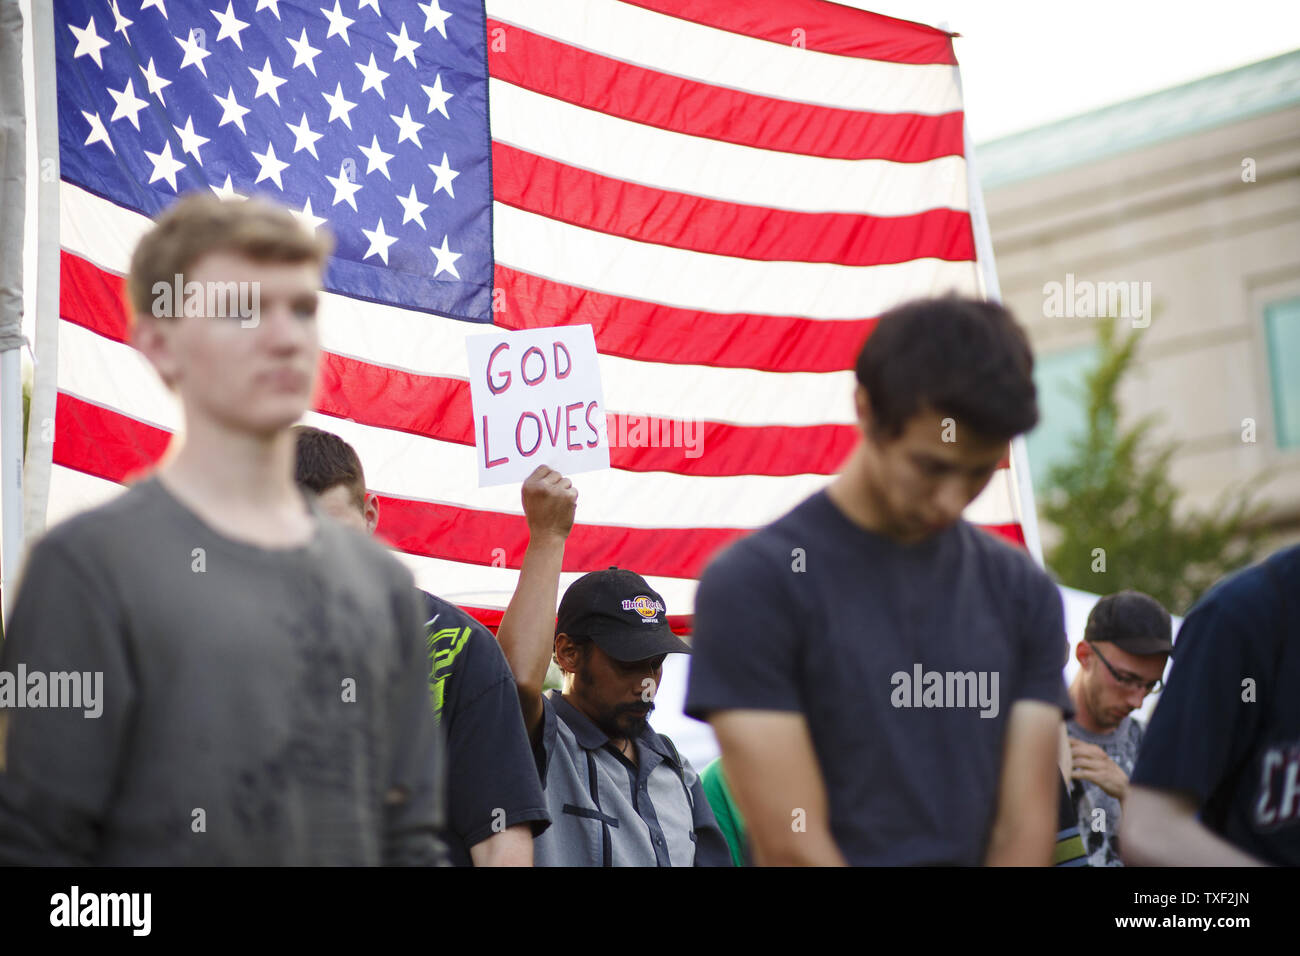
x=1127, y=679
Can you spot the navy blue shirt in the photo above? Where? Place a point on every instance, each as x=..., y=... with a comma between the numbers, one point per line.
x=905, y=661
x=1227, y=728
x=491, y=777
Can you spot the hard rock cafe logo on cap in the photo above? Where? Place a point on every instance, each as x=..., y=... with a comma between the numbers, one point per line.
x=647, y=607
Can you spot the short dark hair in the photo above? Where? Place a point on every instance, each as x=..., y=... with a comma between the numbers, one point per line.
x=962, y=357
x=323, y=460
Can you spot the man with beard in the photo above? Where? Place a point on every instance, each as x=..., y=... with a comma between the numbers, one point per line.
x=618, y=793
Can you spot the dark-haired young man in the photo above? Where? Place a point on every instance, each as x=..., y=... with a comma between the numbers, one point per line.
x=263, y=700
x=495, y=804
x=884, y=679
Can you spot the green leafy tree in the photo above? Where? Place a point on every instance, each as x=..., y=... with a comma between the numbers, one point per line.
x=1115, y=506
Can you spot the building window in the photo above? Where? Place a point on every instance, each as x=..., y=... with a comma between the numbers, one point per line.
x=1062, y=408
x=1282, y=336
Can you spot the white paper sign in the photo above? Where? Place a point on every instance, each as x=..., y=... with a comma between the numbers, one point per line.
x=537, y=401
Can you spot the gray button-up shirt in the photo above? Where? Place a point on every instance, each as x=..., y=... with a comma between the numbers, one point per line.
x=606, y=811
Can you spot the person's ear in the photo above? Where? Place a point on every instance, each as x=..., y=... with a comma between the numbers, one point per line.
x=371, y=512
x=1083, y=654
x=862, y=404
x=152, y=338
x=567, y=653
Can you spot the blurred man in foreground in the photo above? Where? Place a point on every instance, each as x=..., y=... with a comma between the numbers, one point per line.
x=263, y=698
x=884, y=678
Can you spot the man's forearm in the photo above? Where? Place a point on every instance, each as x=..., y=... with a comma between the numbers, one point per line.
x=527, y=631
x=812, y=848
x=513, y=846
x=1158, y=828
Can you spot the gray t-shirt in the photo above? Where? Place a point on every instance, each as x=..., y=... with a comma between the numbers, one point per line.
x=257, y=707
x=1100, y=830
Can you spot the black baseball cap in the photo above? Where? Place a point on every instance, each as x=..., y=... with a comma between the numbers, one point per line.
x=1133, y=622
x=621, y=613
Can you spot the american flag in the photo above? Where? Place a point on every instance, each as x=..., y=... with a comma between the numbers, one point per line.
x=728, y=193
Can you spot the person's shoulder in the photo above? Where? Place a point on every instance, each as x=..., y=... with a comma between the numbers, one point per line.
x=443, y=615
x=1017, y=568
x=1255, y=590
x=105, y=525
x=364, y=552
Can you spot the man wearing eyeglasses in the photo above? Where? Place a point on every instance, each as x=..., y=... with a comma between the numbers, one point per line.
x=1121, y=659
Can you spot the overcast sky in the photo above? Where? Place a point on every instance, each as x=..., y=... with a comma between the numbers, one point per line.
x=1027, y=63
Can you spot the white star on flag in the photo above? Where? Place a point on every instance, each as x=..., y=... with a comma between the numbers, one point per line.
x=445, y=175
x=434, y=17
x=271, y=166
x=155, y=82
x=128, y=104
x=89, y=42
x=194, y=53
x=338, y=23
x=98, y=134
x=190, y=140
x=304, y=52
x=405, y=46
x=165, y=166
x=407, y=127
x=231, y=111
x=303, y=136
x=307, y=217
x=345, y=190
x=339, y=107
x=377, y=158
x=412, y=208
x=446, y=259
x=379, y=242
x=267, y=82
x=438, y=97
x=120, y=22
x=374, y=77
x=230, y=25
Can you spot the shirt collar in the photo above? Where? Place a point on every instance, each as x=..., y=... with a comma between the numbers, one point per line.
x=591, y=737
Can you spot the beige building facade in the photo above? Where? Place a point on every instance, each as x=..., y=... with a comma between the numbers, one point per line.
x=1191, y=198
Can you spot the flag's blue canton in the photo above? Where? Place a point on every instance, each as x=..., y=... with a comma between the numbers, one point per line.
x=377, y=125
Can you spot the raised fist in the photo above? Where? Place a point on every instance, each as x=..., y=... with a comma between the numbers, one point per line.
x=550, y=502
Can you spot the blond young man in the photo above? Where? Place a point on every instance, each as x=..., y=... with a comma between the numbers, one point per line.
x=264, y=698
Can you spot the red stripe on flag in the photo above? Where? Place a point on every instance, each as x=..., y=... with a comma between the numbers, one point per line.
x=617, y=207
x=652, y=332
x=824, y=27
x=673, y=103
x=103, y=442
x=91, y=297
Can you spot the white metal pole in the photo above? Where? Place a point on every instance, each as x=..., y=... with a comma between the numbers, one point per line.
x=1020, y=475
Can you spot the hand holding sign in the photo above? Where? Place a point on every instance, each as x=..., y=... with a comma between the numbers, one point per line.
x=537, y=401
x=550, y=504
